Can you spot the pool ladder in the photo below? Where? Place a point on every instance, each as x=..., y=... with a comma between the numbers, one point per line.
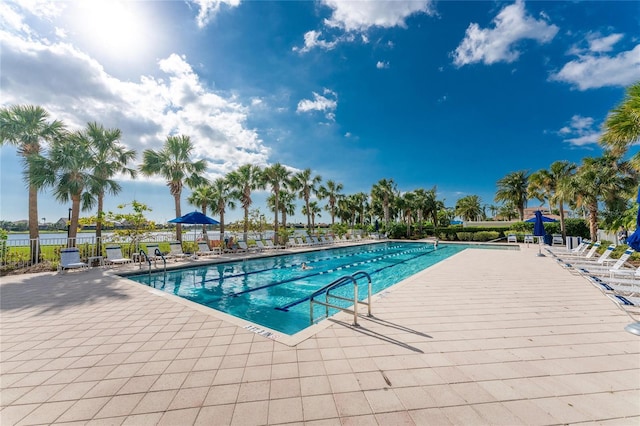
x=158, y=253
x=326, y=290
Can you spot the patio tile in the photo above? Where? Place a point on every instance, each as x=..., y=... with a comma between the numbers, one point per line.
x=250, y=413
x=285, y=410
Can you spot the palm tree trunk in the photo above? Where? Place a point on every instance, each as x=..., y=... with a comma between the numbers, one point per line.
x=246, y=224
x=34, y=234
x=275, y=217
x=176, y=201
x=593, y=222
x=73, y=224
x=99, y=224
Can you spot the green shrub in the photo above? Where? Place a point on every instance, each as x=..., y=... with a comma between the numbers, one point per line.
x=485, y=235
x=464, y=236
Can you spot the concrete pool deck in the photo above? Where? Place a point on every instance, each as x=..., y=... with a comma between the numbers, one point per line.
x=484, y=337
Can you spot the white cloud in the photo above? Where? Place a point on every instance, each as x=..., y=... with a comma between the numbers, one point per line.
x=320, y=103
x=312, y=39
x=593, y=71
x=359, y=16
x=498, y=44
x=382, y=65
x=603, y=44
x=210, y=8
x=362, y=15
x=75, y=88
x=580, y=131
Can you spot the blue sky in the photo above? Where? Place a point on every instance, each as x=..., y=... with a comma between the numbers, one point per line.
x=448, y=94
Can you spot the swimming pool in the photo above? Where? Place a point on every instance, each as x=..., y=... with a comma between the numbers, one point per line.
x=273, y=291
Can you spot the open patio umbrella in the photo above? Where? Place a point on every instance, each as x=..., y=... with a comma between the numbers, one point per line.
x=538, y=230
x=195, y=218
x=545, y=219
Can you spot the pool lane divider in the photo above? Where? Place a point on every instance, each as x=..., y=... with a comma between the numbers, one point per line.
x=336, y=269
x=286, y=307
x=257, y=271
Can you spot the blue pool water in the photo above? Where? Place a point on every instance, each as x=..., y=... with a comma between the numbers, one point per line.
x=258, y=289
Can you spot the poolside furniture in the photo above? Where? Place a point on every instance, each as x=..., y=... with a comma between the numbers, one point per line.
x=632, y=289
x=175, y=251
x=151, y=252
x=528, y=238
x=115, y=257
x=606, y=270
x=242, y=247
x=585, y=263
x=511, y=238
x=70, y=259
x=270, y=245
x=205, y=250
x=260, y=246
x=578, y=256
x=556, y=239
x=631, y=306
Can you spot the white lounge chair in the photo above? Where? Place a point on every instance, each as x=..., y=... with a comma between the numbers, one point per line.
x=205, y=250
x=528, y=239
x=70, y=259
x=270, y=245
x=115, y=257
x=242, y=247
x=511, y=238
x=586, y=263
x=600, y=270
x=175, y=251
x=569, y=257
x=556, y=239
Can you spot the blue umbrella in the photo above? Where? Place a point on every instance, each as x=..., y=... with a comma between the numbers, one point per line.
x=195, y=218
x=544, y=218
x=634, y=239
x=538, y=230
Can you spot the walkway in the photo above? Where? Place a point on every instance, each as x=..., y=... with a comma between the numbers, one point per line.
x=485, y=337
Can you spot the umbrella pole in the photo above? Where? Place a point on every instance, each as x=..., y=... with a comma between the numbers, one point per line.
x=540, y=249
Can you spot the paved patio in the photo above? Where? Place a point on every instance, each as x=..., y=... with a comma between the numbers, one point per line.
x=485, y=337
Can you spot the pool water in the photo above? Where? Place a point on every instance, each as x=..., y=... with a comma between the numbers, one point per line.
x=273, y=291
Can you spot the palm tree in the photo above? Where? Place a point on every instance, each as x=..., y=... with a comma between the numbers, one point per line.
x=513, y=187
x=69, y=170
x=383, y=192
x=202, y=197
x=221, y=198
x=549, y=184
x=277, y=177
x=306, y=185
x=109, y=159
x=601, y=179
x=287, y=206
x=26, y=127
x=360, y=200
x=407, y=205
x=314, y=209
x=469, y=207
x=244, y=180
x=622, y=126
x=173, y=162
x=332, y=192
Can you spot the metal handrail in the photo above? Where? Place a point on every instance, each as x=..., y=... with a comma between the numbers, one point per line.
x=159, y=253
x=339, y=283
x=142, y=255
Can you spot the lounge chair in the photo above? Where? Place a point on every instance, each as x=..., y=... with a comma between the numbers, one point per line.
x=175, y=251
x=270, y=245
x=615, y=288
x=115, y=257
x=70, y=259
x=578, y=256
x=599, y=270
x=556, y=239
x=585, y=263
x=205, y=250
x=260, y=245
x=151, y=251
x=528, y=239
x=511, y=238
x=631, y=306
x=242, y=247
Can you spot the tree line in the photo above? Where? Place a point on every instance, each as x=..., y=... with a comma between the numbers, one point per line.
x=80, y=166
